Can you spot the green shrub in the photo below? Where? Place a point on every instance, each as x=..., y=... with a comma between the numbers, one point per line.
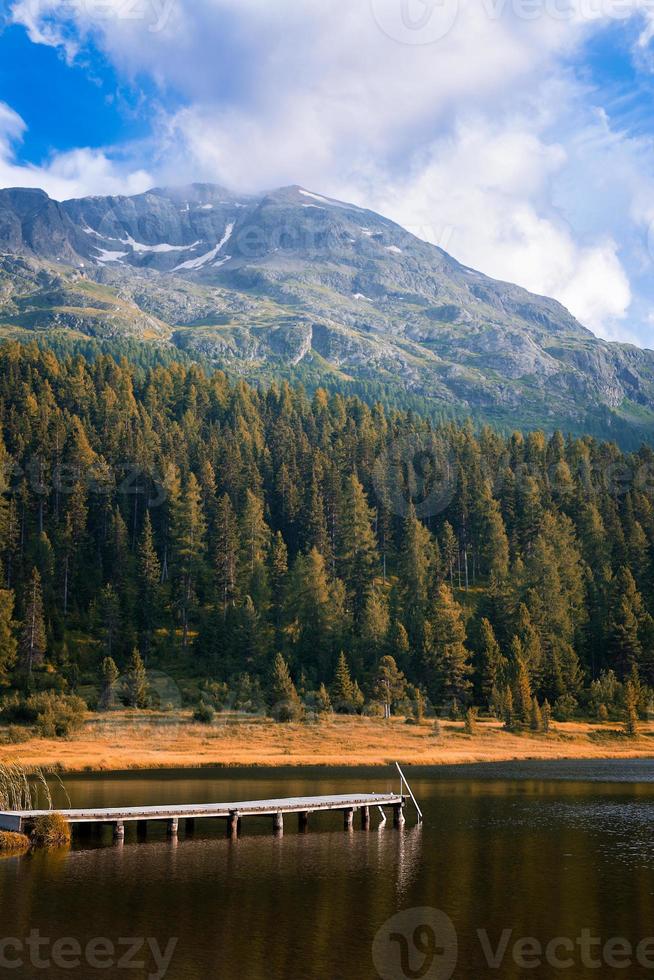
x=57, y=715
x=51, y=830
x=204, y=713
x=54, y=715
x=471, y=721
x=215, y=694
x=15, y=735
x=565, y=707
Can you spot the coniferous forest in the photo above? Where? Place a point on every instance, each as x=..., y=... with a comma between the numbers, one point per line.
x=268, y=547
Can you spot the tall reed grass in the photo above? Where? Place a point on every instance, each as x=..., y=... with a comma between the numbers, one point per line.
x=25, y=789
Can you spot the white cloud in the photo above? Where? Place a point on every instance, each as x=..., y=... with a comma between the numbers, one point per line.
x=65, y=175
x=487, y=131
x=491, y=186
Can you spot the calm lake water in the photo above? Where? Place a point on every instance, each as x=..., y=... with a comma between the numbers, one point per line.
x=557, y=855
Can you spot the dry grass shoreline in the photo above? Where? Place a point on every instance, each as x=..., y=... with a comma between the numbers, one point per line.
x=127, y=740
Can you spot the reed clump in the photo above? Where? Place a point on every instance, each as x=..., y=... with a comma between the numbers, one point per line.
x=23, y=789
x=11, y=841
x=50, y=830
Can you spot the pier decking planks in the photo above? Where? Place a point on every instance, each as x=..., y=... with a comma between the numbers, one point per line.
x=232, y=812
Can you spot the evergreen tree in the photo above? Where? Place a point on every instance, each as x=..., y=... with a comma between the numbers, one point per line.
x=626, y=608
x=536, y=716
x=390, y=684
x=149, y=576
x=523, y=696
x=343, y=692
x=33, y=635
x=284, y=700
x=449, y=551
x=630, y=710
x=226, y=554
x=315, y=612
x=137, y=689
x=323, y=701
x=255, y=535
x=110, y=675
x=358, y=557
x=493, y=662
x=446, y=658
x=8, y=643
x=188, y=547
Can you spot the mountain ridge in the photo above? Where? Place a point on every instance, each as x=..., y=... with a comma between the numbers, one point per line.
x=293, y=281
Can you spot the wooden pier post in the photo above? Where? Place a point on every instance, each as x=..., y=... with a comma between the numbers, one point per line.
x=278, y=822
x=365, y=818
x=232, y=824
x=348, y=819
x=303, y=821
x=398, y=815
x=119, y=832
x=172, y=827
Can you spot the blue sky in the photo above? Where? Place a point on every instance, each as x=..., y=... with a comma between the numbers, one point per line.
x=517, y=134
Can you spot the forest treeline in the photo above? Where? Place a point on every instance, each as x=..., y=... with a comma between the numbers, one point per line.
x=269, y=542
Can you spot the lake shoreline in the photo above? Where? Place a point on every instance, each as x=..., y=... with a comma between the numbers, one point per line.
x=140, y=741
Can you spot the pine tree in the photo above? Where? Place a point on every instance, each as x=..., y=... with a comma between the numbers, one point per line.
x=188, y=547
x=523, y=696
x=416, y=567
x=137, y=689
x=449, y=551
x=493, y=662
x=284, y=700
x=323, y=701
x=508, y=710
x=547, y=716
x=358, y=555
x=32, y=644
x=494, y=541
x=315, y=613
x=342, y=691
x=110, y=675
x=110, y=619
x=389, y=685
x=374, y=626
x=278, y=580
x=626, y=608
x=226, y=554
x=445, y=655
x=630, y=710
x=149, y=576
x=8, y=643
x=536, y=716
x=255, y=536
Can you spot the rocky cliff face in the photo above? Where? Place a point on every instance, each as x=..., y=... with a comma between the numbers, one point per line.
x=294, y=280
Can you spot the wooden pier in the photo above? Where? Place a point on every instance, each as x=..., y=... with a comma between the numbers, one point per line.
x=231, y=813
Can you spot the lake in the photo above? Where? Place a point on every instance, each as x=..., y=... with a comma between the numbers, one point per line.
x=522, y=869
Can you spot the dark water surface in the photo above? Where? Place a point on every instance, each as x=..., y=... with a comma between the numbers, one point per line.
x=506, y=852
